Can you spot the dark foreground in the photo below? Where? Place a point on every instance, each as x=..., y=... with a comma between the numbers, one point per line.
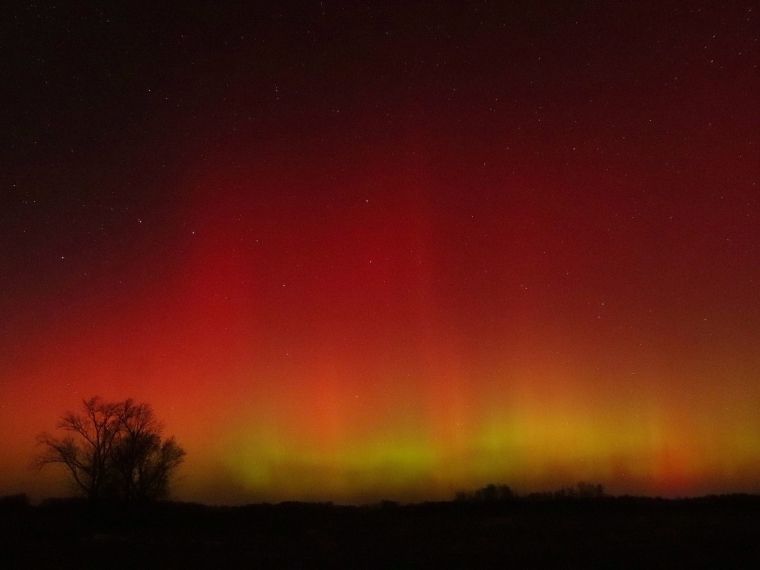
x=719, y=532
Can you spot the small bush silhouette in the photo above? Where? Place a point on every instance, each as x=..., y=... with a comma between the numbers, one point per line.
x=14, y=502
x=488, y=494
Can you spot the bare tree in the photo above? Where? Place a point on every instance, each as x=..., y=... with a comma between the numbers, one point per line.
x=85, y=450
x=143, y=462
x=114, y=450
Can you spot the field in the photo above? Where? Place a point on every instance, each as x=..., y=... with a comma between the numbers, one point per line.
x=719, y=532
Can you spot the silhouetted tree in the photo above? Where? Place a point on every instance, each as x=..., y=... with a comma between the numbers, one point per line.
x=114, y=450
x=143, y=462
x=86, y=450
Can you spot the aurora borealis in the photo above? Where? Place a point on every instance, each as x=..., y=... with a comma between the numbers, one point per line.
x=351, y=251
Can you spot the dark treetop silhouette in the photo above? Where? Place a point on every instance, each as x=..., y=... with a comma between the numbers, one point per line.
x=114, y=450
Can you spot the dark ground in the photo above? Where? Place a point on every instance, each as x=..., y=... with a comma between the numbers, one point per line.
x=721, y=532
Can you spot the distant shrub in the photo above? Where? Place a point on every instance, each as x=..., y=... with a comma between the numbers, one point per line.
x=62, y=502
x=488, y=494
x=14, y=502
x=590, y=490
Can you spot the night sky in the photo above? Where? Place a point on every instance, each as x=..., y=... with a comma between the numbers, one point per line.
x=352, y=250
